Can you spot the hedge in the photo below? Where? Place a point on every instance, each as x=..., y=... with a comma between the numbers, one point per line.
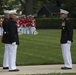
x=52, y=23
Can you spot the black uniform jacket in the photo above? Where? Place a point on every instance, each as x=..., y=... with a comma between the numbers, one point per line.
x=67, y=32
x=10, y=33
x=5, y=37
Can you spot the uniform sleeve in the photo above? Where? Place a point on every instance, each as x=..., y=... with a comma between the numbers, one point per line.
x=69, y=30
x=4, y=25
x=12, y=31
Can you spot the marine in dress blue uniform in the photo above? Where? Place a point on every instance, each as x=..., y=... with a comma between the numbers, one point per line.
x=12, y=41
x=66, y=39
x=5, y=39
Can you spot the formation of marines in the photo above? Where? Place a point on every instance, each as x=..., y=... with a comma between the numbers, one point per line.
x=25, y=25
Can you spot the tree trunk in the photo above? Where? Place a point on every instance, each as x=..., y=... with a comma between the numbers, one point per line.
x=29, y=7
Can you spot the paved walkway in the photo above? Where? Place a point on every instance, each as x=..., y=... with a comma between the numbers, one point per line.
x=38, y=69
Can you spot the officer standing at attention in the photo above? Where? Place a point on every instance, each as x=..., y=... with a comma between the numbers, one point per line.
x=13, y=41
x=5, y=38
x=66, y=39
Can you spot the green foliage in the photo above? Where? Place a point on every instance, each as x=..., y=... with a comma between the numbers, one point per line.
x=70, y=5
x=1, y=7
x=52, y=23
x=8, y=5
x=12, y=4
x=43, y=48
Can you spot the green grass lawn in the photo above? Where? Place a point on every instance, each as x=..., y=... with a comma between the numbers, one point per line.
x=43, y=48
x=57, y=74
x=53, y=74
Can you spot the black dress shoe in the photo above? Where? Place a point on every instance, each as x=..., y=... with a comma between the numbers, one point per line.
x=16, y=70
x=5, y=68
x=65, y=68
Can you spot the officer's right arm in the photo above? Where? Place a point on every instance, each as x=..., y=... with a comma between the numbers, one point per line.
x=70, y=31
x=12, y=31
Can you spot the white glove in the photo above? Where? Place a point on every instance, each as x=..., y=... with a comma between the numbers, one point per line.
x=32, y=24
x=18, y=25
x=14, y=43
x=69, y=42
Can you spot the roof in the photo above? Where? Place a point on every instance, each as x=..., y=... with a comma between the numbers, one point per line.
x=50, y=8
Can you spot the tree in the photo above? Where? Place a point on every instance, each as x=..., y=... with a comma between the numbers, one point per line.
x=32, y=6
x=1, y=7
x=71, y=7
x=12, y=4
x=27, y=6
